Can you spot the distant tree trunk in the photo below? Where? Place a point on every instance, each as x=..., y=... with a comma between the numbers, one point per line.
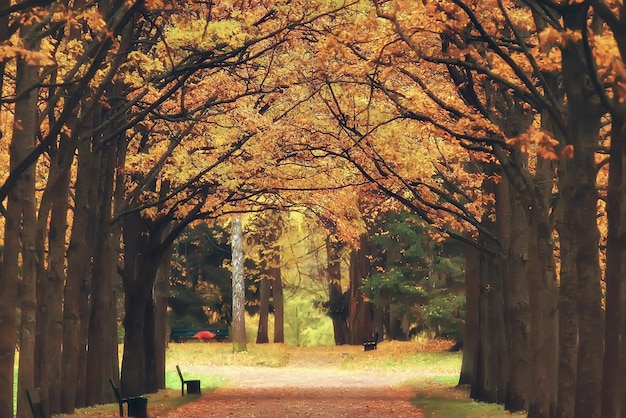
x=239, y=296
x=472, y=331
x=278, y=302
x=336, y=301
x=27, y=115
x=264, y=310
x=360, y=315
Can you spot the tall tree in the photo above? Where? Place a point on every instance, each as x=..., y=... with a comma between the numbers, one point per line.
x=239, y=298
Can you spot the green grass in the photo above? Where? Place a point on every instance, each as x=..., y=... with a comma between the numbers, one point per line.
x=448, y=401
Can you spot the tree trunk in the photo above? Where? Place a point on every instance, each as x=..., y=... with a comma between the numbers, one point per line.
x=490, y=374
x=517, y=309
x=149, y=342
x=543, y=292
x=141, y=264
x=264, y=310
x=360, y=315
x=161, y=295
x=472, y=327
x=79, y=254
x=8, y=290
x=50, y=286
x=239, y=297
x=336, y=301
x=26, y=113
x=619, y=133
x=278, y=302
x=102, y=296
x=580, y=199
x=134, y=359
x=612, y=367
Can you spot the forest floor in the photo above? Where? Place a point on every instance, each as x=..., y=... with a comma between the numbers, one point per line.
x=306, y=387
x=300, y=392
x=401, y=379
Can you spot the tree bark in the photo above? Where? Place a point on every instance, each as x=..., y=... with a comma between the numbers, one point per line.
x=161, y=296
x=472, y=326
x=79, y=254
x=543, y=293
x=360, y=314
x=517, y=309
x=27, y=115
x=264, y=310
x=278, y=302
x=580, y=199
x=490, y=375
x=336, y=301
x=239, y=297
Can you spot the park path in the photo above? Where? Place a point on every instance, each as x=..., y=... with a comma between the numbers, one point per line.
x=303, y=392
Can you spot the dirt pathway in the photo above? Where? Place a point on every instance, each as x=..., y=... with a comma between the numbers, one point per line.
x=296, y=391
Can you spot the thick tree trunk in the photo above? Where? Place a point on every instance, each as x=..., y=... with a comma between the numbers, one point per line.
x=336, y=303
x=26, y=113
x=9, y=296
x=580, y=199
x=568, y=318
x=161, y=295
x=141, y=264
x=619, y=379
x=50, y=286
x=149, y=342
x=471, y=334
x=490, y=375
x=239, y=296
x=264, y=310
x=360, y=315
x=612, y=367
x=103, y=293
x=134, y=359
x=79, y=254
x=517, y=309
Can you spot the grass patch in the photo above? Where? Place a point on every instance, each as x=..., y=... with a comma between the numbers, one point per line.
x=438, y=400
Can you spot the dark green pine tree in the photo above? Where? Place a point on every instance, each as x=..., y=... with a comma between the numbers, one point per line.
x=418, y=281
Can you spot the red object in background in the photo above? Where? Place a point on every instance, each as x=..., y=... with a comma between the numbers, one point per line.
x=204, y=335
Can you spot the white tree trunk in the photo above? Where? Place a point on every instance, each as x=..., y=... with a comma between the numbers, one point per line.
x=239, y=296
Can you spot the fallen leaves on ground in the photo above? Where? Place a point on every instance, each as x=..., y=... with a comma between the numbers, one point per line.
x=301, y=402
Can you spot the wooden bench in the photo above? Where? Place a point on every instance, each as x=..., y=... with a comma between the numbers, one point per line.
x=193, y=386
x=371, y=344
x=34, y=401
x=185, y=334
x=137, y=405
